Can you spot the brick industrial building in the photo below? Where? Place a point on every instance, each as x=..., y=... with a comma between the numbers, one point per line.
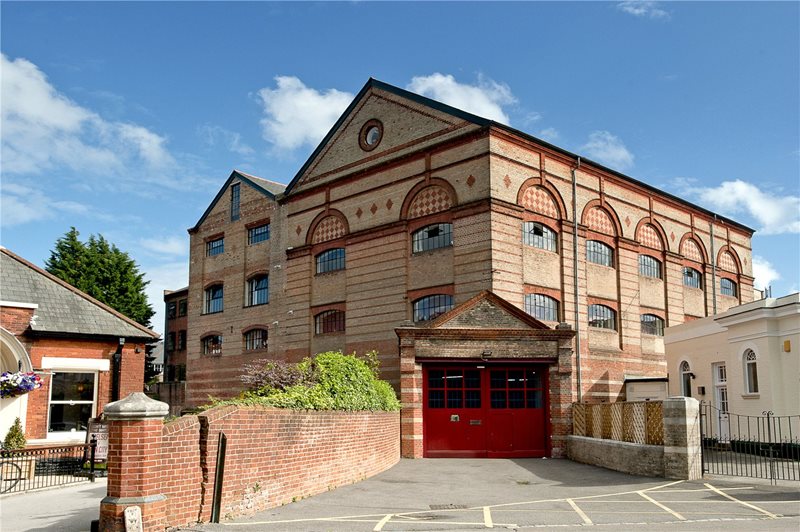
x=455, y=246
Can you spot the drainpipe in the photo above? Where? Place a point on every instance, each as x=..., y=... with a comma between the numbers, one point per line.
x=117, y=372
x=713, y=269
x=575, y=279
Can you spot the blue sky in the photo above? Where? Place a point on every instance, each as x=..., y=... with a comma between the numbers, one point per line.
x=126, y=118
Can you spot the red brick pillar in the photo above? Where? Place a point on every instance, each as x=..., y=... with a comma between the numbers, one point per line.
x=134, y=455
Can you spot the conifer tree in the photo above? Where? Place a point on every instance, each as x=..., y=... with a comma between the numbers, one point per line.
x=103, y=271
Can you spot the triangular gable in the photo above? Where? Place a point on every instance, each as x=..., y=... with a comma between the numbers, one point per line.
x=261, y=185
x=487, y=311
x=396, y=108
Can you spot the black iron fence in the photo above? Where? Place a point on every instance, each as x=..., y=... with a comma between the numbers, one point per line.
x=765, y=446
x=44, y=467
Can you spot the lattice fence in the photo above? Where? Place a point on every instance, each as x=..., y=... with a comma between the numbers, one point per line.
x=638, y=422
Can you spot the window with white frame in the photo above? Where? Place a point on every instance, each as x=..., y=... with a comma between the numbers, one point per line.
x=686, y=379
x=72, y=401
x=258, y=290
x=750, y=371
x=432, y=237
x=213, y=299
x=539, y=236
x=541, y=307
x=649, y=266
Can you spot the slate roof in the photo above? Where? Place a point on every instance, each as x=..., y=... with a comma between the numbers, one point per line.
x=62, y=308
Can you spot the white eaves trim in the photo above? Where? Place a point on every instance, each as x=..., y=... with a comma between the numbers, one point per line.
x=92, y=364
x=16, y=304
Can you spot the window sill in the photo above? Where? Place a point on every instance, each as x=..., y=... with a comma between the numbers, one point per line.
x=751, y=395
x=209, y=313
x=259, y=350
x=257, y=305
x=334, y=333
x=329, y=272
x=429, y=251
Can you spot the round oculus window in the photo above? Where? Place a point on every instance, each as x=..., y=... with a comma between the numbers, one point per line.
x=370, y=135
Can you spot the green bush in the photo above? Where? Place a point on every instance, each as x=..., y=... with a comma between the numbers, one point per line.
x=327, y=381
x=15, y=439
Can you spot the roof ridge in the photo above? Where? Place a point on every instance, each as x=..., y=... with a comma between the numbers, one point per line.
x=79, y=292
x=259, y=177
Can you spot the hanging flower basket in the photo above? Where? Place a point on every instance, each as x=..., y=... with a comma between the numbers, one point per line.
x=20, y=383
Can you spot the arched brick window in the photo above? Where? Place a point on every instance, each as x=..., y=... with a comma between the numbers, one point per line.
x=686, y=379
x=602, y=317
x=541, y=307
x=750, y=371
x=540, y=236
x=429, y=307
x=329, y=321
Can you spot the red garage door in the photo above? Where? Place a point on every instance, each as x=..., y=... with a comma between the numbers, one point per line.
x=485, y=411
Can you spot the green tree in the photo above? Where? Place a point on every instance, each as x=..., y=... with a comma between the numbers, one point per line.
x=103, y=271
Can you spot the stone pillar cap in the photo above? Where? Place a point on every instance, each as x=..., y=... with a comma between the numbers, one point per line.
x=136, y=406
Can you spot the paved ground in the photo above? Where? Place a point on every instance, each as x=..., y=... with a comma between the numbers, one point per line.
x=67, y=508
x=454, y=495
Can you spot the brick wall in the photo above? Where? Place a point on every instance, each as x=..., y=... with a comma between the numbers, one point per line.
x=273, y=457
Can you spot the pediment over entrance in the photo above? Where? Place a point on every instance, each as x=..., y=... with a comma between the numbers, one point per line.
x=487, y=311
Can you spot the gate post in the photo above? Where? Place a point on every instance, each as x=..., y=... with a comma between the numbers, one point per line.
x=682, y=453
x=134, y=454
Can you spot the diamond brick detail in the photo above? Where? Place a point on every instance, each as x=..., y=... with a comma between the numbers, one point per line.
x=672, y=236
x=539, y=200
x=359, y=212
x=648, y=236
x=330, y=228
x=627, y=221
x=727, y=262
x=507, y=181
x=598, y=220
x=389, y=204
x=471, y=180
x=373, y=209
x=691, y=250
x=429, y=200
x=298, y=230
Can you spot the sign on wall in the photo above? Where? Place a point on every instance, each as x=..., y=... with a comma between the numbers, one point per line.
x=98, y=429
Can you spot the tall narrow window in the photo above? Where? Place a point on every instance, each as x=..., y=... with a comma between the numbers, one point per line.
x=751, y=371
x=649, y=266
x=652, y=324
x=602, y=317
x=432, y=237
x=258, y=234
x=727, y=287
x=686, y=379
x=182, y=307
x=541, y=307
x=330, y=260
x=215, y=247
x=258, y=290
x=329, y=321
x=599, y=253
x=539, y=236
x=170, y=341
x=171, y=308
x=429, y=307
x=234, y=202
x=691, y=277
x=181, y=340
x=255, y=339
x=213, y=302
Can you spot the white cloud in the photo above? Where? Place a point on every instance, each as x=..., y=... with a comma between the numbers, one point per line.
x=296, y=115
x=164, y=276
x=167, y=246
x=609, y=150
x=643, y=9
x=21, y=204
x=43, y=129
x=775, y=213
x=549, y=134
x=485, y=99
x=763, y=272
x=230, y=139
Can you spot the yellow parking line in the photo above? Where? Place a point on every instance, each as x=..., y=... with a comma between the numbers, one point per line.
x=666, y=509
x=487, y=517
x=586, y=520
x=382, y=522
x=747, y=504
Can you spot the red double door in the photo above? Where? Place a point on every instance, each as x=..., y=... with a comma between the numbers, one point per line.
x=485, y=411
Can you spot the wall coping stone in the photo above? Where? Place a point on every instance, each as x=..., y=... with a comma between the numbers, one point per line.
x=136, y=406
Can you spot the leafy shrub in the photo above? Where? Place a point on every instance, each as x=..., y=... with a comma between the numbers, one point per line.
x=327, y=381
x=15, y=439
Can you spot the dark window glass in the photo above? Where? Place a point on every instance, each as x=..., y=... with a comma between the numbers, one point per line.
x=72, y=387
x=215, y=247
x=212, y=345
x=455, y=378
x=539, y=236
x=330, y=260
x=602, y=317
x=649, y=266
x=516, y=399
x=436, y=398
x=541, y=307
x=255, y=339
x=498, y=399
x=330, y=321
x=432, y=237
x=599, y=253
x=214, y=299
x=692, y=277
x=235, y=201
x=498, y=379
x=428, y=308
x=472, y=398
x=258, y=234
x=181, y=340
x=516, y=378
x=182, y=307
x=454, y=398
x=171, y=309
x=436, y=378
x=727, y=287
x=535, y=399
x=652, y=324
x=258, y=290
x=170, y=342
x=472, y=379
x=68, y=417
x=534, y=379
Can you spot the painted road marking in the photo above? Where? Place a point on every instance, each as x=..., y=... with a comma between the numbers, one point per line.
x=666, y=509
x=487, y=517
x=586, y=520
x=747, y=504
x=382, y=522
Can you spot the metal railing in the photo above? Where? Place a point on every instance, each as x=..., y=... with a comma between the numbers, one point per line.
x=634, y=422
x=766, y=446
x=44, y=467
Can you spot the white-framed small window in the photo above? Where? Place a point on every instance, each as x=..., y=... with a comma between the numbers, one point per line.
x=539, y=236
x=750, y=371
x=73, y=401
x=686, y=379
x=258, y=290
